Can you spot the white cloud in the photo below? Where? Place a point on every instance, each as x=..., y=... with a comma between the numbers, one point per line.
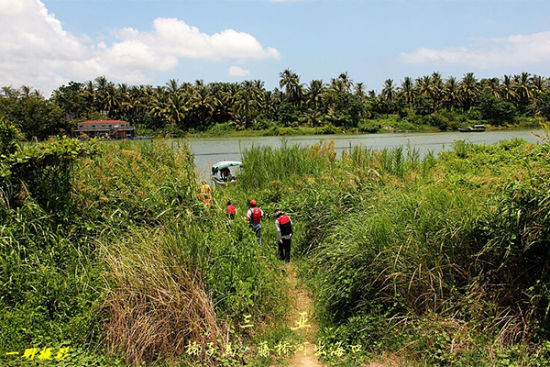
x=237, y=71
x=37, y=51
x=515, y=50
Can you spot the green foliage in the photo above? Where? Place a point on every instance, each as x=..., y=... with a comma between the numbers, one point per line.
x=525, y=122
x=42, y=171
x=47, y=274
x=35, y=116
x=366, y=126
x=496, y=111
x=221, y=129
x=132, y=243
x=10, y=137
x=137, y=182
x=178, y=109
x=401, y=247
x=543, y=105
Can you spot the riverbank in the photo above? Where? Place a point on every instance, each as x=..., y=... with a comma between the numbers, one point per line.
x=376, y=126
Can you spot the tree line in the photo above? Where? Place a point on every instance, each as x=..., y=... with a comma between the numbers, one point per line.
x=177, y=108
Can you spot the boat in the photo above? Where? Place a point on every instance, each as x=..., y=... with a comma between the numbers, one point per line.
x=221, y=172
x=472, y=129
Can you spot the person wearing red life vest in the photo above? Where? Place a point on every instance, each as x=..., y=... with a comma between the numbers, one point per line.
x=231, y=210
x=254, y=217
x=283, y=225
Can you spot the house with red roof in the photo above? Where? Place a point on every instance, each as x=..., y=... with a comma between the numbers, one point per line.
x=114, y=129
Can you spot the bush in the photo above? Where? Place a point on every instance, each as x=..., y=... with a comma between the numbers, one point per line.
x=543, y=105
x=10, y=137
x=221, y=129
x=368, y=126
x=496, y=110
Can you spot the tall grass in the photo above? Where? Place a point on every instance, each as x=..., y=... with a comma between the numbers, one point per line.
x=265, y=164
x=137, y=182
x=137, y=266
x=392, y=238
x=157, y=302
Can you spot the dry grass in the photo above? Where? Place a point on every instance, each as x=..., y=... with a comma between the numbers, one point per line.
x=157, y=304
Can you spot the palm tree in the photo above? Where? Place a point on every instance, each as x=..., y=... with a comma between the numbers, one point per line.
x=469, y=91
x=436, y=90
x=507, y=89
x=408, y=90
x=360, y=90
x=25, y=91
x=173, y=86
x=345, y=81
x=388, y=93
x=538, y=83
x=524, y=92
x=314, y=93
x=493, y=85
x=451, y=93
x=424, y=86
x=291, y=82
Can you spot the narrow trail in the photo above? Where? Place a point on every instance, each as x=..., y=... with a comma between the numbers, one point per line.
x=301, y=311
x=303, y=306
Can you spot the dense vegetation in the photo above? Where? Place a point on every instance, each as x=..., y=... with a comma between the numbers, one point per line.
x=106, y=249
x=429, y=102
x=435, y=261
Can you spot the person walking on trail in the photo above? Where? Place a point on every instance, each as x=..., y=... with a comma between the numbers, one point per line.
x=254, y=217
x=231, y=210
x=283, y=225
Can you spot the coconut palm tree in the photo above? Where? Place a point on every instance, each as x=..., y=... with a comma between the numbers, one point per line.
x=314, y=93
x=359, y=90
x=291, y=82
x=173, y=86
x=469, y=91
x=538, y=83
x=388, y=93
x=436, y=90
x=407, y=86
x=507, y=89
x=451, y=93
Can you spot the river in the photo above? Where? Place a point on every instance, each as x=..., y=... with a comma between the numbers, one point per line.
x=211, y=150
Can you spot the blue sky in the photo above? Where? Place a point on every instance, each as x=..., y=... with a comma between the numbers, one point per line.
x=49, y=42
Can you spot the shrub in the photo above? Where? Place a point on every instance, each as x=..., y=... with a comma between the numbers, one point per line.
x=496, y=110
x=368, y=126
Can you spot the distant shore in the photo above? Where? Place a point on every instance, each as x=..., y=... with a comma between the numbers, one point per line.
x=313, y=131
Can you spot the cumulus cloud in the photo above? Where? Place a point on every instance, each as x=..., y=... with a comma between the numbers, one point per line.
x=515, y=50
x=37, y=51
x=237, y=71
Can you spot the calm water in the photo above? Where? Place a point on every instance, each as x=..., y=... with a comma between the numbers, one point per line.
x=211, y=150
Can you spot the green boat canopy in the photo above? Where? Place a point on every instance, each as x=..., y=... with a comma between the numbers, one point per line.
x=225, y=164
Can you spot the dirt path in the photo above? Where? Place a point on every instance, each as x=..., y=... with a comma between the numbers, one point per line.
x=302, y=313
x=301, y=318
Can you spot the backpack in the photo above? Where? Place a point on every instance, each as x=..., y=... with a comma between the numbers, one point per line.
x=285, y=225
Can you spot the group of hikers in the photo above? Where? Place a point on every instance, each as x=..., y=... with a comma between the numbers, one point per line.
x=254, y=216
